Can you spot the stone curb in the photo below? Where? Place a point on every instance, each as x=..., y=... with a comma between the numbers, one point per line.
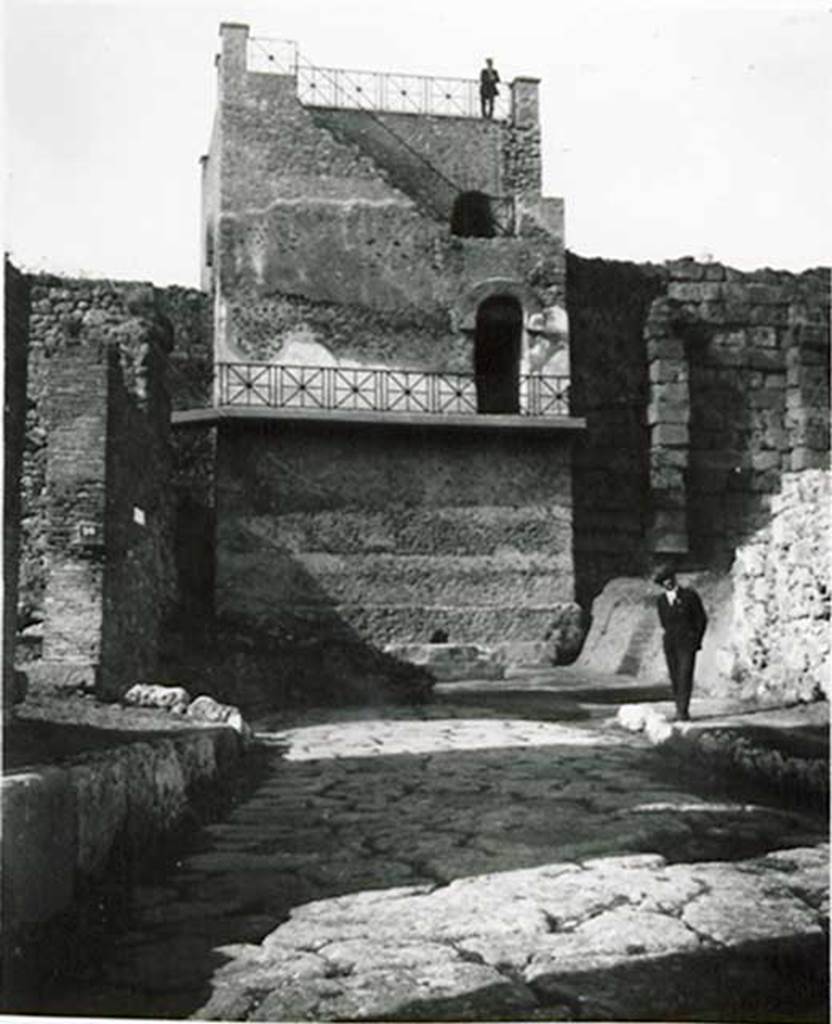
x=725, y=745
x=60, y=825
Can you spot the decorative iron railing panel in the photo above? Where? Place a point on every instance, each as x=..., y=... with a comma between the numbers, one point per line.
x=371, y=90
x=358, y=389
x=272, y=56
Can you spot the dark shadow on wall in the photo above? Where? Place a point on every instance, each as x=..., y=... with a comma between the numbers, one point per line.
x=472, y=217
x=608, y=303
x=724, y=504
x=278, y=654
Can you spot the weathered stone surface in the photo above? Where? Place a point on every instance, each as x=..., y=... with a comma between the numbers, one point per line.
x=377, y=954
x=448, y=662
x=150, y=695
x=781, y=593
x=206, y=709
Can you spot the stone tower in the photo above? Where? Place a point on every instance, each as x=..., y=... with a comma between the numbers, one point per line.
x=392, y=354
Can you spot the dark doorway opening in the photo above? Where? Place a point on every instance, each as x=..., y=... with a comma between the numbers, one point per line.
x=471, y=216
x=497, y=354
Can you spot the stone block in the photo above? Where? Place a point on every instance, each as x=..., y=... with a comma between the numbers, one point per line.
x=39, y=842
x=712, y=312
x=724, y=358
x=766, y=398
x=668, y=371
x=667, y=542
x=674, y=435
x=763, y=460
x=694, y=291
x=803, y=458
x=763, y=337
x=775, y=315
x=685, y=269
x=667, y=348
x=677, y=457
x=669, y=503
x=767, y=293
x=663, y=410
x=765, y=481
x=733, y=339
x=714, y=272
x=771, y=361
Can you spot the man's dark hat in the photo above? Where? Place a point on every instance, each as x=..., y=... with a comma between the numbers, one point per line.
x=664, y=572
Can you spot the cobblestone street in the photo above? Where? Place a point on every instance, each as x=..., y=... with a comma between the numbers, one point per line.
x=473, y=859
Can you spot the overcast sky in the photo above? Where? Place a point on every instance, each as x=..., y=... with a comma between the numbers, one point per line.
x=670, y=128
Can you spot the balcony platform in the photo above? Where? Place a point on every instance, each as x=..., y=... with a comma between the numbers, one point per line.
x=214, y=415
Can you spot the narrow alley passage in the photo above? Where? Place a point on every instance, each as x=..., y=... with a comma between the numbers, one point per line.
x=434, y=862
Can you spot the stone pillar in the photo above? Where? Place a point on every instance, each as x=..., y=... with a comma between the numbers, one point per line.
x=668, y=417
x=16, y=350
x=233, y=61
x=79, y=383
x=807, y=388
x=525, y=102
x=522, y=174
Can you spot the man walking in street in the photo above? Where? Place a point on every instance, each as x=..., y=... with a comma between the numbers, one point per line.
x=489, y=77
x=684, y=622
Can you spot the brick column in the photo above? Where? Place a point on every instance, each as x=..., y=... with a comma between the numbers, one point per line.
x=807, y=388
x=79, y=382
x=16, y=332
x=668, y=417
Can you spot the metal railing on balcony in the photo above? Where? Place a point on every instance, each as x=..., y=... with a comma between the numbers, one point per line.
x=371, y=90
x=356, y=389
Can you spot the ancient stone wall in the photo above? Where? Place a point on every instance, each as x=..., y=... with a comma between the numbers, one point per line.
x=756, y=347
x=780, y=638
x=431, y=159
x=388, y=533
x=98, y=503
x=329, y=208
x=702, y=386
x=16, y=345
x=608, y=304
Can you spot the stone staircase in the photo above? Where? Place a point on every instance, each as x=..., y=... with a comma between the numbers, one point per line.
x=396, y=161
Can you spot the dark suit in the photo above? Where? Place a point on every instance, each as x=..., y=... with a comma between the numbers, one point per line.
x=684, y=623
x=489, y=77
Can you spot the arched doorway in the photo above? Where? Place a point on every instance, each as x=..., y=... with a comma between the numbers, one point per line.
x=497, y=341
x=471, y=216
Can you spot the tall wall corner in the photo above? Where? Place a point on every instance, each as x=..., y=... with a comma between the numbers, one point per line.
x=668, y=422
x=233, y=58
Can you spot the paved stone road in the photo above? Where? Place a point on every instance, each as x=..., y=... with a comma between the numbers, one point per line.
x=469, y=861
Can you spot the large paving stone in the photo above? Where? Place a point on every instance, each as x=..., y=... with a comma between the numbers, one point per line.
x=449, y=990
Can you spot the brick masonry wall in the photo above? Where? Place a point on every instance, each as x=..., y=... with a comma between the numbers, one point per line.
x=16, y=344
x=780, y=640
x=387, y=534
x=127, y=414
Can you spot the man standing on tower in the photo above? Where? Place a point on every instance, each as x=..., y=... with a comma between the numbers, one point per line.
x=489, y=77
x=684, y=621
